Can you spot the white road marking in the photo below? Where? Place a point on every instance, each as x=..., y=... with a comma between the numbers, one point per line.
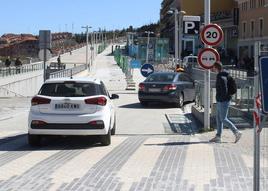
x=141, y=162
x=79, y=165
x=4, y=134
x=249, y=161
x=199, y=167
x=22, y=164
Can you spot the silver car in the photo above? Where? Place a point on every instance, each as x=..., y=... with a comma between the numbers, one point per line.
x=169, y=87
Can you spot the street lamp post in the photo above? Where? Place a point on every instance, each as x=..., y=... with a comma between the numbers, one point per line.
x=176, y=37
x=181, y=14
x=177, y=32
x=148, y=41
x=87, y=29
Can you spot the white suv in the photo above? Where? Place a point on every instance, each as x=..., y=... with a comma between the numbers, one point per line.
x=65, y=106
x=190, y=61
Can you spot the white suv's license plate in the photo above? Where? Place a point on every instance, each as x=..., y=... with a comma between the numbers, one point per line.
x=67, y=106
x=154, y=90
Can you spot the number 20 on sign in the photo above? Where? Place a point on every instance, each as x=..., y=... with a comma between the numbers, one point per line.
x=212, y=35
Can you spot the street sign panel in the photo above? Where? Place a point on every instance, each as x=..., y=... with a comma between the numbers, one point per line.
x=191, y=25
x=207, y=57
x=263, y=64
x=41, y=54
x=44, y=39
x=147, y=70
x=135, y=64
x=212, y=35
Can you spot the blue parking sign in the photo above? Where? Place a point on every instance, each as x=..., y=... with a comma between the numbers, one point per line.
x=263, y=64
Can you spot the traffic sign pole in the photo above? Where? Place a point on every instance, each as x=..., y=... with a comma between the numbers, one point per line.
x=207, y=75
x=256, y=176
x=45, y=59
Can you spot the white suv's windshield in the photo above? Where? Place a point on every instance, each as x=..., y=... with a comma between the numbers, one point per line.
x=69, y=89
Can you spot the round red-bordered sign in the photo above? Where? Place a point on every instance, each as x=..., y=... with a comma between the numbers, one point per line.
x=207, y=57
x=212, y=35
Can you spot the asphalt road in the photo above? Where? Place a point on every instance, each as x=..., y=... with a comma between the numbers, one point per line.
x=155, y=148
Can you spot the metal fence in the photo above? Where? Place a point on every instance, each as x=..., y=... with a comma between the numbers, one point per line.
x=9, y=71
x=68, y=72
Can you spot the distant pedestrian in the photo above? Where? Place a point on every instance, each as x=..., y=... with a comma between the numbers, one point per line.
x=18, y=65
x=59, y=61
x=7, y=62
x=225, y=88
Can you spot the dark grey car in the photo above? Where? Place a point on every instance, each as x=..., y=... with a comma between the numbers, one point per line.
x=169, y=87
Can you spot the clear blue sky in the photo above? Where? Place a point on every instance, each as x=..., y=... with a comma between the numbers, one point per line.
x=30, y=16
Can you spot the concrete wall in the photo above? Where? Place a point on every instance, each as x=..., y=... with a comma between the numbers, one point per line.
x=21, y=85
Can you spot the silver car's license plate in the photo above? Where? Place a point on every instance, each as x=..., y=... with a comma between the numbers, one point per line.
x=154, y=90
x=70, y=106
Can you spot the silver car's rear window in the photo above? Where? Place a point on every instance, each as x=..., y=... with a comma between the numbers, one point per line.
x=69, y=89
x=160, y=78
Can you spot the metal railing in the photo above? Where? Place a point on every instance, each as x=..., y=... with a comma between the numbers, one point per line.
x=242, y=102
x=9, y=71
x=68, y=72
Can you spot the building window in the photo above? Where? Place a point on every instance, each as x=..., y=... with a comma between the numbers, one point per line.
x=252, y=28
x=246, y=6
x=261, y=3
x=244, y=29
x=261, y=27
x=252, y=4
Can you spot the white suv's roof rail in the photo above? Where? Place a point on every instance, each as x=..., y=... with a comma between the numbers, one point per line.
x=74, y=79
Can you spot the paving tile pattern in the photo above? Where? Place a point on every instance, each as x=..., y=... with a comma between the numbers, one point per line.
x=167, y=172
x=102, y=176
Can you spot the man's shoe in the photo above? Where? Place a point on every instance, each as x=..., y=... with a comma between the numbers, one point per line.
x=237, y=136
x=216, y=139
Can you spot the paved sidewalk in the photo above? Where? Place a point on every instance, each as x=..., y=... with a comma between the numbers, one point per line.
x=106, y=69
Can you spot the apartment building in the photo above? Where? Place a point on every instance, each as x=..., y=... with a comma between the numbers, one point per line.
x=253, y=26
x=222, y=13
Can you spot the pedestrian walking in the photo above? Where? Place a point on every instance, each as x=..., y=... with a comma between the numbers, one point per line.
x=18, y=64
x=59, y=61
x=225, y=88
x=7, y=62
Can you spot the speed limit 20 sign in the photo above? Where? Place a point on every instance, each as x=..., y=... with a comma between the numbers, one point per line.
x=212, y=35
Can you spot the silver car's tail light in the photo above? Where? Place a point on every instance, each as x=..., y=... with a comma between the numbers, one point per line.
x=96, y=101
x=141, y=87
x=40, y=100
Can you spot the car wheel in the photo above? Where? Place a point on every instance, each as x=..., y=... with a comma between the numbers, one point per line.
x=106, y=139
x=34, y=140
x=114, y=127
x=180, y=100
